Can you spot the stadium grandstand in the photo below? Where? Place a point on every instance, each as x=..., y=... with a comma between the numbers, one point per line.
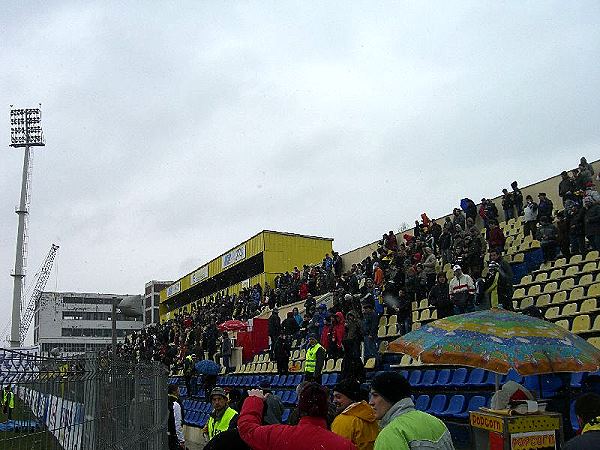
x=543, y=238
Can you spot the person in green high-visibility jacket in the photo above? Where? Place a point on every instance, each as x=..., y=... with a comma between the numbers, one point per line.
x=8, y=401
x=315, y=360
x=223, y=417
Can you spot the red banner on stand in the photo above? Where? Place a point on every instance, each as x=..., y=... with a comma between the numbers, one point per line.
x=255, y=341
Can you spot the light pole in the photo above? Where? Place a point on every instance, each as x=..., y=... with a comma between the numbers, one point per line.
x=25, y=132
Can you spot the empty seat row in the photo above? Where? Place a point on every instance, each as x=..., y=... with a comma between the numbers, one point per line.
x=580, y=324
x=454, y=408
x=575, y=259
x=253, y=381
x=557, y=274
x=589, y=305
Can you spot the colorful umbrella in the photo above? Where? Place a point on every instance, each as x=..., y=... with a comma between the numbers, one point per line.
x=233, y=325
x=498, y=340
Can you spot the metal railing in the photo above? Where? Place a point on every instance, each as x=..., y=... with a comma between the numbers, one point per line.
x=90, y=402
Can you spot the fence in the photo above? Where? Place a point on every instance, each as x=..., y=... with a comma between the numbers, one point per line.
x=83, y=403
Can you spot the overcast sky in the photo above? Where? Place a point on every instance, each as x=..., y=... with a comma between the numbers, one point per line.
x=176, y=130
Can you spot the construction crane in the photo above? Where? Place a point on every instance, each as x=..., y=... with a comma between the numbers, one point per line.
x=38, y=288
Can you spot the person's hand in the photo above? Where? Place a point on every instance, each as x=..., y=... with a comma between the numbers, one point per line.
x=256, y=393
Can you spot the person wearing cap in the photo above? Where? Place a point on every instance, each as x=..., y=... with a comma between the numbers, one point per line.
x=273, y=404
x=175, y=435
x=311, y=433
x=315, y=360
x=462, y=290
x=356, y=419
x=587, y=410
x=402, y=426
x=223, y=417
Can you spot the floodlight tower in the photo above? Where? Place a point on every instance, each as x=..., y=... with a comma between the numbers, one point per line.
x=25, y=132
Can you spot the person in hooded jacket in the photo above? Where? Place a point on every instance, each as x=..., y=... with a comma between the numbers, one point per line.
x=402, y=426
x=439, y=296
x=356, y=419
x=311, y=433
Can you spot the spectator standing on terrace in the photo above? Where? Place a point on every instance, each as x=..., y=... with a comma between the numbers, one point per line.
x=545, y=206
x=505, y=268
x=370, y=324
x=517, y=197
x=353, y=335
x=378, y=275
x=404, y=311
x=274, y=325
x=458, y=218
x=355, y=420
x=562, y=226
x=189, y=370
x=289, y=326
x=390, y=241
x=315, y=360
x=311, y=433
x=591, y=212
x=337, y=264
x=530, y=216
x=439, y=297
x=496, y=239
x=508, y=205
x=222, y=417
x=402, y=426
x=575, y=217
x=497, y=287
x=587, y=166
x=587, y=410
x=175, y=422
x=282, y=353
x=226, y=350
x=429, y=265
x=210, y=340
x=547, y=234
x=566, y=187
x=297, y=317
x=462, y=291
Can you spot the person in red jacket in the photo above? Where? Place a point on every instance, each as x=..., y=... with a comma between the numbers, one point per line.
x=496, y=239
x=311, y=433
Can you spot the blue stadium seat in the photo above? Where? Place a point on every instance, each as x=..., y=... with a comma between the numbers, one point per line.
x=455, y=407
x=203, y=420
x=285, y=416
x=512, y=375
x=574, y=421
x=290, y=380
x=428, y=379
x=476, y=378
x=404, y=373
x=476, y=402
x=298, y=379
x=324, y=379
x=332, y=379
x=275, y=380
x=576, y=379
x=443, y=377
x=490, y=379
x=438, y=403
x=422, y=402
x=458, y=377
x=415, y=377
x=293, y=398
x=282, y=380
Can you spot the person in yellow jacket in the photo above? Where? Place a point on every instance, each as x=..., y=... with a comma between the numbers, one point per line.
x=315, y=360
x=223, y=417
x=356, y=419
x=8, y=401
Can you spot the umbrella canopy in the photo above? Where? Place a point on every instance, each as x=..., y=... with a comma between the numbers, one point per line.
x=498, y=340
x=207, y=367
x=233, y=325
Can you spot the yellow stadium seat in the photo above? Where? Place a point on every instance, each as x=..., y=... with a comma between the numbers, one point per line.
x=415, y=316
x=535, y=244
x=545, y=266
x=383, y=345
x=383, y=321
x=415, y=305
x=267, y=358
x=594, y=290
x=592, y=255
x=567, y=284
x=559, y=297
x=552, y=312
x=393, y=320
x=526, y=302
x=381, y=332
x=581, y=324
x=541, y=277
x=596, y=326
x=511, y=222
x=296, y=354
x=434, y=314
x=595, y=341
x=534, y=290
x=575, y=259
x=570, y=309
x=425, y=315
x=589, y=267
x=393, y=330
x=560, y=262
x=550, y=287
x=338, y=365
x=597, y=279
x=424, y=304
x=556, y=273
x=255, y=359
x=447, y=267
x=519, y=258
x=329, y=365
x=542, y=300
x=303, y=353
x=525, y=280
x=589, y=305
x=527, y=238
x=563, y=323
x=271, y=367
x=571, y=271
x=405, y=361
x=586, y=279
x=519, y=293
x=261, y=357
x=416, y=326
x=515, y=304
x=370, y=364
x=576, y=293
